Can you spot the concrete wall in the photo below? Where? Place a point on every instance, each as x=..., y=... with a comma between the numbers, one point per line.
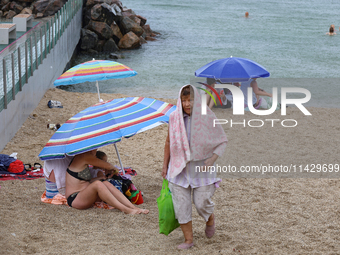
x=18, y=110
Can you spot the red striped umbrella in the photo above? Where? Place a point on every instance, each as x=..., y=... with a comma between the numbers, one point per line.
x=106, y=123
x=94, y=70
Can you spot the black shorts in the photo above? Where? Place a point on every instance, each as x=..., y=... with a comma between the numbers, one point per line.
x=71, y=198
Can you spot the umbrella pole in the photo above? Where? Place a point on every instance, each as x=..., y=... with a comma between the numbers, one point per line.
x=120, y=162
x=98, y=91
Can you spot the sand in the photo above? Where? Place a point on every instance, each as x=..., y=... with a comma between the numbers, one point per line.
x=253, y=215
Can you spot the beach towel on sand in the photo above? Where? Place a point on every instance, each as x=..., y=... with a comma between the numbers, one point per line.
x=29, y=175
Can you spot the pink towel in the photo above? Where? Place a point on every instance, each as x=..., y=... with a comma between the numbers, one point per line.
x=205, y=138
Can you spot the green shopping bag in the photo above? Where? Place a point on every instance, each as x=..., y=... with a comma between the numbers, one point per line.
x=166, y=214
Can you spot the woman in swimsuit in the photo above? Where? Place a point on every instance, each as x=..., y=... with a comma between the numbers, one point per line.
x=81, y=194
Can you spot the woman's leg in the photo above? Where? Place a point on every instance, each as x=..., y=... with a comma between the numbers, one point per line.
x=89, y=195
x=121, y=198
x=181, y=198
x=205, y=206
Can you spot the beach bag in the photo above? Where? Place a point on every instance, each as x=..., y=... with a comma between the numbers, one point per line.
x=166, y=214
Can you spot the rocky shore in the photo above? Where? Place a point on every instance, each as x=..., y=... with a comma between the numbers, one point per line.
x=108, y=26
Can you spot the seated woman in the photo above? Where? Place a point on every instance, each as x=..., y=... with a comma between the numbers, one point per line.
x=211, y=101
x=81, y=193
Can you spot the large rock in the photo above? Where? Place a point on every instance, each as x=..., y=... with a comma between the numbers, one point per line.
x=110, y=46
x=91, y=3
x=10, y=14
x=117, y=35
x=4, y=2
x=16, y=7
x=102, y=29
x=5, y=7
x=103, y=13
x=89, y=39
x=126, y=25
x=47, y=7
x=100, y=45
x=129, y=41
x=142, y=20
x=26, y=11
x=53, y=7
x=86, y=17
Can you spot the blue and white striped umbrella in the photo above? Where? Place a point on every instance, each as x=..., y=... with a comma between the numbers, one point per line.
x=105, y=123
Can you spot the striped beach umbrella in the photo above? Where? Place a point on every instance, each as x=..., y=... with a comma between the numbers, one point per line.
x=106, y=123
x=94, y=70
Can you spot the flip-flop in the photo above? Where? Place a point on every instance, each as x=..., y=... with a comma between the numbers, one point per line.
x=37, y=166
x=185, y=246
x=28, y=167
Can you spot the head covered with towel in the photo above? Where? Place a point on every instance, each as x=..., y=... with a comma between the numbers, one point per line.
x=204, y=138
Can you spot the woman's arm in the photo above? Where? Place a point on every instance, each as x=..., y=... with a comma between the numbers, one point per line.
x=166, y=156
x=94, y=161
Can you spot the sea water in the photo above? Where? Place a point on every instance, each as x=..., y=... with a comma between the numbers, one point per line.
x=287, y=37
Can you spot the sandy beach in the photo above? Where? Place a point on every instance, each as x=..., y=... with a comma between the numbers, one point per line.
x=253, y=215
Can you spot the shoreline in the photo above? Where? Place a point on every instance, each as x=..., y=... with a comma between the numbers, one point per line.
x=254, y=216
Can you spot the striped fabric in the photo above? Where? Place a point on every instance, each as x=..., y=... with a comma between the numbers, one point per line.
x=94, y=70
x=105, y=123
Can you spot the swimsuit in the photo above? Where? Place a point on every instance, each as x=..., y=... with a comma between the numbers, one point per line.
x=71, y=198
x=83, y=175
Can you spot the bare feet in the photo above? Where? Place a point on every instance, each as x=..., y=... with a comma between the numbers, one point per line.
x=144, y=211
x=132, y=211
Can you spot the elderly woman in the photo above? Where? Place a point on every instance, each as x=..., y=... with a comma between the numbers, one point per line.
x=81, y=193
x=192, y=145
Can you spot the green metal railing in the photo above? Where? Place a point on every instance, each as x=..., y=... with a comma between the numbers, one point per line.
x=17, y=67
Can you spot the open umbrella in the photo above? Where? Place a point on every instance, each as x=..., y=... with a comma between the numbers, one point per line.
x=232, y=70
x=106, y=123
x=94, y=70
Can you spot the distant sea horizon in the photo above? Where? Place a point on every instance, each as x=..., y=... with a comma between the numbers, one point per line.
x=288, y=38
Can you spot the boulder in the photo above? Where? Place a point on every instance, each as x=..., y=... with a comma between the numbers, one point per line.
x=117, y=35
x=142, y=40
x=126, y=25
x=5, y=8
x=102, y=29
x=86, y=17
x=114, y=56
x=147, y=30
x=91, y=3
x=89, y=39
x=40, y=6
x=149, y=38
x=100, y=45
x=46, y=7
x=103, y=13
x=92, y=51
x=129, y=41
x=142, y=20
x=53, y=7
x=26, y=11
x=10, y=14
x=4, y=2
x=16, y=7
x=110, y=46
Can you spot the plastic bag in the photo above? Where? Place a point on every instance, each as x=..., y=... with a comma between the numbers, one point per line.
x=166, y=214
